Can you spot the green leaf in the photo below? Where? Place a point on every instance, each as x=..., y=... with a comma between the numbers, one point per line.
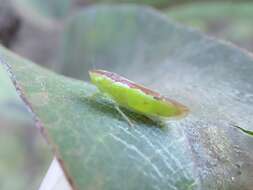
x=95, y=145
x=42, y=12
x=156, y=3
x=24, y=156
x=244, y=130
x=7, y=91
x=11, y=107
x=231, y=21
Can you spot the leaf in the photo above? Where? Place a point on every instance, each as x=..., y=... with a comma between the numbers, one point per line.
x=157, y=3
x=231, y=21
x=95, y=145
x=11, y=107
x=245, y=131
x=45, y=12
x=24, y=155
x=7, y=91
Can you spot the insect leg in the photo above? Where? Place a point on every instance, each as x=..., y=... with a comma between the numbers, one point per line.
x=124, y=116
x=103, y=95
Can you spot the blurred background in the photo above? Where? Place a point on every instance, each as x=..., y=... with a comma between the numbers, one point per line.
x=38, y=30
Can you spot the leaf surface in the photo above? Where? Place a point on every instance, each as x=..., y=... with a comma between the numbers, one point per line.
x=11, y=107
x=42, y=13
x=226, y=20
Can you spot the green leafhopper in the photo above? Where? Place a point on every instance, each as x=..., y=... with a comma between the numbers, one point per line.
x=136, y=97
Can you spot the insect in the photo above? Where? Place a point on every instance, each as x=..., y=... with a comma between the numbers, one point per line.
x=136, y=97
